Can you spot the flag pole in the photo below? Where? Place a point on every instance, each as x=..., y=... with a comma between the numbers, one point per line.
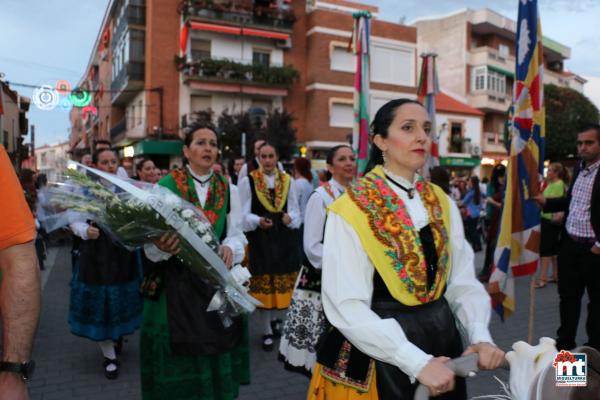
x=517, y=250
x=531, y=319
x=428, y=89
x=359, y=44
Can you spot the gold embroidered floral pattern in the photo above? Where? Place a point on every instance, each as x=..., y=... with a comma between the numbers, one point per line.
x=270, y=284
x=282, y=186
x=391, y=224
x=337, y=374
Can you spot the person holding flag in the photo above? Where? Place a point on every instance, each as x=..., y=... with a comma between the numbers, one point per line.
x=398, y=277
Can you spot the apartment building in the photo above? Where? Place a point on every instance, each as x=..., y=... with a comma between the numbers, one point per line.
x=50, y=159
x=133, y=83
x=14, y=124
x=476, y=60
x=330, y=69
x=293, y=55
x=156, y=61
x=233, y=56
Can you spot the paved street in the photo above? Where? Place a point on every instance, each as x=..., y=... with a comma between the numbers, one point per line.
x=70, y=367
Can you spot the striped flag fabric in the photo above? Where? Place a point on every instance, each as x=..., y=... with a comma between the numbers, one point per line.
x=360, y=47
x=428, y=88
x=517, y=250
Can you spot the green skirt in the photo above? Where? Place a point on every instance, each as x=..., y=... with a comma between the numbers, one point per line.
x=165, y=376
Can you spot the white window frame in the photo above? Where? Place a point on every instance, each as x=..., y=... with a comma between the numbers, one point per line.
x=408, y=80
x=479, y=77
x=503, y=51
x=262, y=50
x=340, y=102
x=337, y=66
x=485, y=80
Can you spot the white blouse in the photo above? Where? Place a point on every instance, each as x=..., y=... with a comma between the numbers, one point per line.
x=304, y=189
x=251, y=221
x=314, y=221
x=347, y=287
x=234, y=239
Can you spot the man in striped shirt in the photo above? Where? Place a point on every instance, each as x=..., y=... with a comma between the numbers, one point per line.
x=579, y=253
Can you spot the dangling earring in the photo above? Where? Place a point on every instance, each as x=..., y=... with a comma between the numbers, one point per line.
x=384, y=156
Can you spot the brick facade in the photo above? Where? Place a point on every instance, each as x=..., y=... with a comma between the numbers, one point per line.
x=318, y=26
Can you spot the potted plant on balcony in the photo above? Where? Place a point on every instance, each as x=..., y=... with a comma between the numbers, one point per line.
x=210, y=67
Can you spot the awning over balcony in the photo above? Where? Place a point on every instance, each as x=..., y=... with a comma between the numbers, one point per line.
x=170, y=147
x=238, y=31
x=501, y=71
x=238, y=88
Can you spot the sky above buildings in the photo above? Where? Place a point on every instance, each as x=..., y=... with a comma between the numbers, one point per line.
x=56, y=40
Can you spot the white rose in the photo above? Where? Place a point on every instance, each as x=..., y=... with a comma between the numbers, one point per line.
x=207, y=238
x=187, y=213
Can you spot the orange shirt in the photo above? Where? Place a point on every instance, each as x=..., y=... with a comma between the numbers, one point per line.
x=16, y=222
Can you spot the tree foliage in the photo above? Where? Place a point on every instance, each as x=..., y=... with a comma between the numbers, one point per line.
x=567, y=111
x=277, y=127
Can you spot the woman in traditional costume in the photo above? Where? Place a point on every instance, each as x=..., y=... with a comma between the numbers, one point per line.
x=105, y=303
x=186, y=352
x=271, y=221
x=305, y=321
x=398, y=277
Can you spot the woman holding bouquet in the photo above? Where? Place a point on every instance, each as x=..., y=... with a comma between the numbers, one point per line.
x=105, y=303
x=271, y=222
x=398, y=277
x=186, y=352
x=305, y=320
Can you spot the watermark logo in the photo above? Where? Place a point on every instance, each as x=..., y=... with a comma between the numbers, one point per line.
x=571, y=369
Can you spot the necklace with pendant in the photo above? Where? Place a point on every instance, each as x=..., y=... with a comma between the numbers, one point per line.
x=201, y=182
x=409, y=191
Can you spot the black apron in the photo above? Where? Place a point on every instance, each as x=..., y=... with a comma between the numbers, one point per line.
x=193, y=331
x=102, y=262
x=272, y=251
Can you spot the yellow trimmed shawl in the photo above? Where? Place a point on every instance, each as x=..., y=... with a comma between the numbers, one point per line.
x=392, y=243
x=282, y=189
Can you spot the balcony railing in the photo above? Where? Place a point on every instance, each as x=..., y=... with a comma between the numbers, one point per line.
x=488, y=99
x=244, y=13
x=130, y=78
x=490, y=56
x=234, y=71
x=119, y=128
x=493, y=142
x=132, y=15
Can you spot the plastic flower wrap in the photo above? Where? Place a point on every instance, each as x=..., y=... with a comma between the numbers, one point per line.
x=135, y=214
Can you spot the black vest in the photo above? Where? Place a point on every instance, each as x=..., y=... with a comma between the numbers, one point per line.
x=275, y=250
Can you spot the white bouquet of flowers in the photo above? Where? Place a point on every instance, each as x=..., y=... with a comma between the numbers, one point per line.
x=134, y=214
